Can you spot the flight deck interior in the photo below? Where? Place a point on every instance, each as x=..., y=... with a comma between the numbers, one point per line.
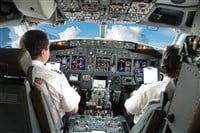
x=103, y=71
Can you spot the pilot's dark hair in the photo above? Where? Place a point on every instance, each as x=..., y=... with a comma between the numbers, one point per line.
x=34, y=41
x=170, y=63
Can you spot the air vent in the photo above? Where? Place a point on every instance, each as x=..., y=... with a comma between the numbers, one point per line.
x=178, y=1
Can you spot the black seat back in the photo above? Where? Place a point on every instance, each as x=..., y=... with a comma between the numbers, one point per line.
x=154, y=117
x=47, y=113
x=184, y=111
x=16, y=110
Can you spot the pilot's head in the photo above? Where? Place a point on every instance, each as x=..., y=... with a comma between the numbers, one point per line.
x=37, y=43
x=170, y=63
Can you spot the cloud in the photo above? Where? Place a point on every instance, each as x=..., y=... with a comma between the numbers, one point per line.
x=19, y=31
x=70, y=32
x=121, y=32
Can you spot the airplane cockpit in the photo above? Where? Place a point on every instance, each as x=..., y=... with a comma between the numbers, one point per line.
x=103, y=71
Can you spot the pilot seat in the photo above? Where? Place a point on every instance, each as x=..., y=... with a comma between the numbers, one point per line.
x=16, y=109
x=47, y=113
x=25, y=103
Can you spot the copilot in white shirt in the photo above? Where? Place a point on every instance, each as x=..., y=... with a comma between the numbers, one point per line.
x=146, y=93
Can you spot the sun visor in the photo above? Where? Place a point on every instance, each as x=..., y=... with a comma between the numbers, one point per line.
x=42, y=9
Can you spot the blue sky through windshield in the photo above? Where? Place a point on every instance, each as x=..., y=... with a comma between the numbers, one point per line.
x=159, y=37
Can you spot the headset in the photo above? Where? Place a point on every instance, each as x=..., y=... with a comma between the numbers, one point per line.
x=166, y=62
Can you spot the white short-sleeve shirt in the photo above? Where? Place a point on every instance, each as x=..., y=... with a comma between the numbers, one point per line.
x=146, y=93
x=64, y=96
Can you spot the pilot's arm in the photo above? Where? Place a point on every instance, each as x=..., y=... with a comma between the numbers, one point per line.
x=70, y=98
x=136, y=102
x=75, y=110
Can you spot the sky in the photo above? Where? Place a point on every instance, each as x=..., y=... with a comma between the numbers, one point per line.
x=159, y=37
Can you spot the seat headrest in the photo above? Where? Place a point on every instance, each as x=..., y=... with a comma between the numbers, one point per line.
x=14, y=62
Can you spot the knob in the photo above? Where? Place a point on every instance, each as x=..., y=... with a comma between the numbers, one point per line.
x=120, y=129
x=86, y=128
x=76, y=122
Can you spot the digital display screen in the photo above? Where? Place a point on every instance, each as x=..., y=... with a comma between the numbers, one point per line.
x=139, y=64
x=74, y=77
x=100, y=81
x=64, y=61
x=86, y=77
x=103, y=63
x=97, y=83
x=78, y=63
x=124, y=65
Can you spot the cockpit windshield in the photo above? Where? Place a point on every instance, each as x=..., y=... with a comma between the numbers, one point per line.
x=158, y=37
x=107, y=51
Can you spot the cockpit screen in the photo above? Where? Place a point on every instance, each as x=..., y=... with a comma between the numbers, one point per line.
x=78, y=63
x=124, y=65
x=97, y=83
x=103, y=63
x=64, y=61
x=74, y=77
x=139, y=64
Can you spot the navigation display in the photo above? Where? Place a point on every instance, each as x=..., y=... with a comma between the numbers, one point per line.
x=139, y=64
x=124, y=65
x=78, y=63
x=64, y=61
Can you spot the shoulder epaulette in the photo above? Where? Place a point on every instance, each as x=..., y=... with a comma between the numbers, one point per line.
x=58, y=71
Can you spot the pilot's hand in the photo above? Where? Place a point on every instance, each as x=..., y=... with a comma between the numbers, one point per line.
x=74, y=87
x=132, y=93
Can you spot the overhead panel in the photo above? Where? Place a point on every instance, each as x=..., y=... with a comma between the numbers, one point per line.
x=104, y=10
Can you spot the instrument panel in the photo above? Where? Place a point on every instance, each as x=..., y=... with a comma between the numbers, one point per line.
x=105, y=71
x=81, y=57
x=102, y=124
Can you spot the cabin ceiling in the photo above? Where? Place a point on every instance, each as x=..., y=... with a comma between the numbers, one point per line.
x=165, y=13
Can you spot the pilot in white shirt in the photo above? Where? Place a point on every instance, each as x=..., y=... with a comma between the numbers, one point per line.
x=64, y=96
x=170, y=67
x=140, y=98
